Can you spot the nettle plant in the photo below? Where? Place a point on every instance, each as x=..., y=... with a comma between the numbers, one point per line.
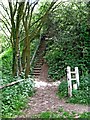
x=14, y=98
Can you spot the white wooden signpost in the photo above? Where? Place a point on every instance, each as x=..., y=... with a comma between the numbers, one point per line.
x=70, y=79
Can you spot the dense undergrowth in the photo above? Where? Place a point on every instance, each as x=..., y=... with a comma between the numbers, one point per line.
x=69, y=43
x=14, y=98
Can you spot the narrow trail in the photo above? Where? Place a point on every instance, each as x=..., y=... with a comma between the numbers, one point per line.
x=45, y=98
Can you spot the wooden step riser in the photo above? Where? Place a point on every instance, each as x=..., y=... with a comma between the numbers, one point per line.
x=37, y=71
x=36, y=74
x=37, y=68
x=39, y=63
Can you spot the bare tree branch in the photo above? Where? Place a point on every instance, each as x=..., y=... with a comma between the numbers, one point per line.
x=32, y=9
x=15, y=9
x=5, y=9
x=5, y=32
x=5, y=18
x=5, y=25
x=46, y=13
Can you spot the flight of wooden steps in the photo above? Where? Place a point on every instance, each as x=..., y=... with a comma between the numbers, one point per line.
x=37, y=68
x=40, y=60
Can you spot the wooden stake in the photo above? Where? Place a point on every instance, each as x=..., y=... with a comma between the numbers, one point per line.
x=69, y=81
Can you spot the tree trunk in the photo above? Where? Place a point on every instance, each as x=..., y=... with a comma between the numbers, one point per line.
x=23, y=58
x=27, y=70
x=16, y=70
x=19, y=61
x=14, y=66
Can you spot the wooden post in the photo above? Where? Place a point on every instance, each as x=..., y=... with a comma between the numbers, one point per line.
x=69, y=81
x=77, y=75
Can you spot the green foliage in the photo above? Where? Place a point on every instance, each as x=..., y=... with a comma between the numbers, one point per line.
x=63, y=89
x=85, y=115
x=33, y=46
x=82, y=95
x=61, y=115
x=47, y=114
x=70, y=40
x=4, y=42
x=14, y=98
x=7, y=62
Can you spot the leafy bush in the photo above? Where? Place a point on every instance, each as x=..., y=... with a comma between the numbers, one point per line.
x=82, y=95
x=70, y=40
x=7, y=63
x=14, y=98
x=63, y=89
x=55, y=62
